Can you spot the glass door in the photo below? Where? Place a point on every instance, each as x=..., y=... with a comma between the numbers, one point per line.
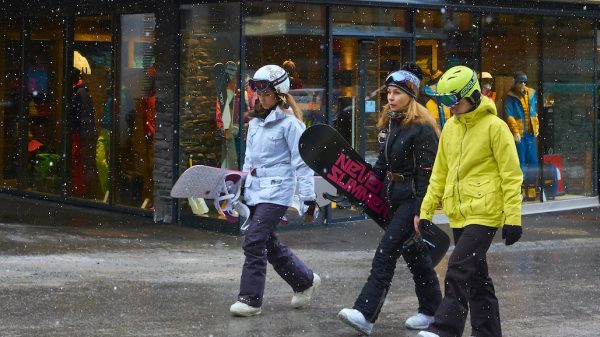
x=135, y=120
x=10, y=95
x=43, y=102
x=90, y=117
x=360, y=68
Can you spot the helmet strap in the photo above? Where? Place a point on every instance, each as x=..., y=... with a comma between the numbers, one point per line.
x=474, y=99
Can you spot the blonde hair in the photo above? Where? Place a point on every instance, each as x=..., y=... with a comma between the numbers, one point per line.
x=415, y=114
x=293, y=105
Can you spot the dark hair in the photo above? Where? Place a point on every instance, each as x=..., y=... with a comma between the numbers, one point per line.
x=519, y=75
x=413, y=68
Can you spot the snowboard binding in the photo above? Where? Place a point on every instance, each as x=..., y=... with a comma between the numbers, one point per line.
x=341, y=201
x=227, y=200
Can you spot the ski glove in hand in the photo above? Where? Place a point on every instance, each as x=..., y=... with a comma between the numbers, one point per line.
x=424, y=225
x=311, y=210
x=511, y=233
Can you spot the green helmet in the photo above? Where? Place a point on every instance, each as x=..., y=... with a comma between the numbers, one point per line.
x=460, y=82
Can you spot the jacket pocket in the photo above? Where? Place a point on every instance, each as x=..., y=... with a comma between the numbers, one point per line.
x=449, y=202
x=274, y=189
x=483, y=197
x=270, y=182
x=275, y=142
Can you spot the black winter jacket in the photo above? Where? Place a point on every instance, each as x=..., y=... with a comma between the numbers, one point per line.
x=409, y=151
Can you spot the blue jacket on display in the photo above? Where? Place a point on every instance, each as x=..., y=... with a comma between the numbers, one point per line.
x=272, y=153
x=515, y=115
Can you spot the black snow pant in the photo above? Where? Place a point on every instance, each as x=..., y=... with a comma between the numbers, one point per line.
x=261, y=245
x=417, y=258
x=468, y=285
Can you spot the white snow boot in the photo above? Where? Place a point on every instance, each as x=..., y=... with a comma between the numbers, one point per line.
x=418, y=322
x=302, y=298
x=357, y=320
x=243, y=310
x=427, y=334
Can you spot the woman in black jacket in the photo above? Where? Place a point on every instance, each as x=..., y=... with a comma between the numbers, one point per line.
x=408, y=148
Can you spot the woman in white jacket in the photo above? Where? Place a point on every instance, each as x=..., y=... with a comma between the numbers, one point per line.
x=275, y=165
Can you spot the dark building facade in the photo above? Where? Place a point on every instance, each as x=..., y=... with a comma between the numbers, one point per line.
x=103, y=104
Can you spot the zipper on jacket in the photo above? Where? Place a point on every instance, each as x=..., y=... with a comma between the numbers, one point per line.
x=458, y=174
x=388, y=194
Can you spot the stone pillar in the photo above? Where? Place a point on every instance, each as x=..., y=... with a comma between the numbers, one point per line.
x=166, y=110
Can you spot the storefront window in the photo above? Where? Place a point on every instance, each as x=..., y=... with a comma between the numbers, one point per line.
x=90, y=116
x=567, y=115
x=292, y=36
x=511, y=50
x=349, y=20
x=10, y=95
x=137, y=112
x=360, y=65
x=209, y=113
x=444, y=39
x=43, y=102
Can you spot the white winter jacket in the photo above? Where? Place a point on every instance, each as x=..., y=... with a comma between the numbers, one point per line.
x=272, y=149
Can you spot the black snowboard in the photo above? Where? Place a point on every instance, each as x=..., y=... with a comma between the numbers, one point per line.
x=325, y=151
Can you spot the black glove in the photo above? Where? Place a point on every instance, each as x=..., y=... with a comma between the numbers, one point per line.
x=425, y=231
x=424, y=225
x=511, y=233
x=312, y=211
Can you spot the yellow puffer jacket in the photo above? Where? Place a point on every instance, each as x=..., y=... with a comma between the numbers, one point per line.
x=476, y=173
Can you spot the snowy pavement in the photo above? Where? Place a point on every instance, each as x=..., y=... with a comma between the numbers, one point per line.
x=141, y=279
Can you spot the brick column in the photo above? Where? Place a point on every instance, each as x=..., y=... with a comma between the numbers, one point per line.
x=166, y=110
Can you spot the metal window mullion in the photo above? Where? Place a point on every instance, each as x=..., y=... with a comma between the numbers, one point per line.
x=540, y=96
x=175, y=162
x=69, y=33
x=595, y=109
x=329, y=84
x=116, y=113
x=21, y=117
x=242, y=70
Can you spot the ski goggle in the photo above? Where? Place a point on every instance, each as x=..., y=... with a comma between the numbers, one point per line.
x=400, y=78
x=448, y=100
x=259, y=85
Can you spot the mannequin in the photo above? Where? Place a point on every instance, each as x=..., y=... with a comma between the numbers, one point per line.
x=487, y=81
x=522, y=119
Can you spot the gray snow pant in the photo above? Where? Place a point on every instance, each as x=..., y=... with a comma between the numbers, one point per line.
x=261, y=245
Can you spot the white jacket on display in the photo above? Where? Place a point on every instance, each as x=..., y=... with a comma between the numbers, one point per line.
x=272, y=150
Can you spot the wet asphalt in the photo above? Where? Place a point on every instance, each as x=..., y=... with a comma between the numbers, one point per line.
x=68, y=271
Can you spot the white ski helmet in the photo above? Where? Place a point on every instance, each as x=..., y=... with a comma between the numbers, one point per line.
x=271, y=76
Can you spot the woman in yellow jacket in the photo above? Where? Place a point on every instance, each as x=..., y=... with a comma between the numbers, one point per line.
x=477, y=177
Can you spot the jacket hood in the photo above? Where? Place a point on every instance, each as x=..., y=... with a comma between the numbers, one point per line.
x=276, y=114
x=272, y=115
x=487, y=106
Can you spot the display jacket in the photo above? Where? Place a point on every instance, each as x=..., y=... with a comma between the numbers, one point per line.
x=272, y=150
x=434, y=109
x=410, y=151
x=515, y=114
x=476, y=173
